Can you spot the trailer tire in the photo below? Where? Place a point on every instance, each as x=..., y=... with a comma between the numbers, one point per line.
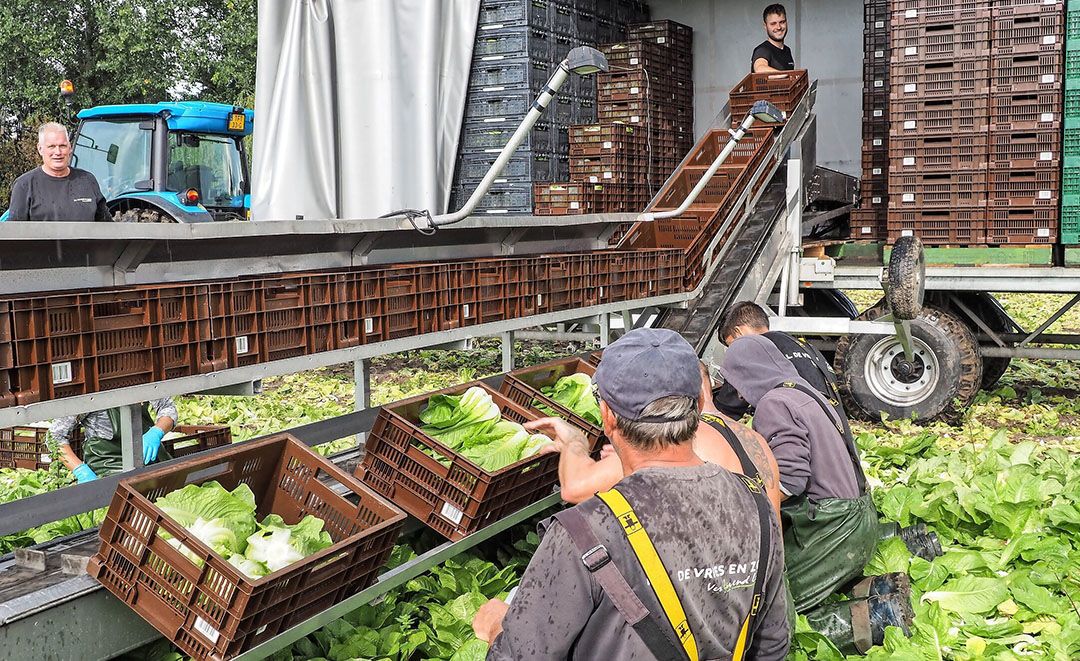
x=139, y=215
x=906, y=278
x=941, y=382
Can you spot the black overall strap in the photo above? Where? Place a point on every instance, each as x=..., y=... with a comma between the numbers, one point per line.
x=601, y=565
x=751, y=477
x=749, y=469
x=841, y=428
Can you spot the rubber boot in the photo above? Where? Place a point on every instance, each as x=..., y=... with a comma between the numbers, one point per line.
x=884, y=584
x=856, y=625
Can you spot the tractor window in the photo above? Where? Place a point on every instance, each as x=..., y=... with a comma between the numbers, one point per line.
x=211, y=164
x=117, y=153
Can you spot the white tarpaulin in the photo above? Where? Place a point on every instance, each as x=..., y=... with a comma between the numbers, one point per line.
x=359, y=105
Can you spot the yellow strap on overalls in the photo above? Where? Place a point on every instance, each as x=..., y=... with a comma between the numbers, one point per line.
x=654, y=568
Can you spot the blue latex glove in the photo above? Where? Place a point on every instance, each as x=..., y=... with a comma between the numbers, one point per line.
x=151, y=444
x=83, y=473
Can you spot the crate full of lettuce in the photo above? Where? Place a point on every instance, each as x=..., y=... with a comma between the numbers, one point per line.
x=224, y=550
x=458, y=459
x=560, y=388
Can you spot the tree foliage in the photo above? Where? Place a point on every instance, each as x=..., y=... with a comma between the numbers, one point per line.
x=115, y=51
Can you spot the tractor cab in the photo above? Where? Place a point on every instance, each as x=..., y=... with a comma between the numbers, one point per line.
x=180, y=161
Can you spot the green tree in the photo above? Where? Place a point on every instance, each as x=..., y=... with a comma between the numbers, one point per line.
x=115, y=52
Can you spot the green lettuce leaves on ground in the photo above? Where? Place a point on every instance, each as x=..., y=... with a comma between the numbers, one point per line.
x=575, y=393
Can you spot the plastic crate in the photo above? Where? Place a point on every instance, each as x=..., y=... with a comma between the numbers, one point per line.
x=937, y=190
x=523, y=387
x=666, y=32
x=1020, y=7
x=958, y=227
x=1071, y=137
x=867, y=225
x=1026, y=111
x=968, y=114
x=1022, y=226
x=491, y=137
x=195, y=438
x=524, y=73
x=524, y=165
x=25, y=447
x=1070, y=218
x=497, y=14
x=213, y=610
x=908, y=12
x=1029, y=150
x=563, y=199
x=784, y=90
x=654, y=58
x=505, y=105
x=458, y=499
x=925, y=80
x=503, y=198
x=1041, y=32
x=531, y=42
x=942, y=41
x=1034, y=72
x=937, y=153
x=1024, y=188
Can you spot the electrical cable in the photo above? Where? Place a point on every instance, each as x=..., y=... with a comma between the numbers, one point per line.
x=411, y=215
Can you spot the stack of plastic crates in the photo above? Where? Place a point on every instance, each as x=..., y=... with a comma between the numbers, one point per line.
x=1023, y=177
x=1070, y=170
x=868, y=221
x=519, y=43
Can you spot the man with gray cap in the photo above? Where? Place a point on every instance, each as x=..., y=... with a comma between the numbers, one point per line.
x=680, y=560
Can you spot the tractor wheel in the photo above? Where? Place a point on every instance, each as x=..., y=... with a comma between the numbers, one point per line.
x=141, y=216
x=941, y=382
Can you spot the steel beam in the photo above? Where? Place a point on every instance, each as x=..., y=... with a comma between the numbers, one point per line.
x=1031, y=280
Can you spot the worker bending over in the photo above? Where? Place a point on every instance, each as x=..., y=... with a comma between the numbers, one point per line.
x=831, y=525
x=772, y=55
x=720, y=440
x=670, y=562
x=101, y=448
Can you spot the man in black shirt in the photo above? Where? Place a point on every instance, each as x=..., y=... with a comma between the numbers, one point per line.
x=772, y=55
x=56, y=191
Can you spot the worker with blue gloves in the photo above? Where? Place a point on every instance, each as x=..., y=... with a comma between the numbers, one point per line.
x=101, y=449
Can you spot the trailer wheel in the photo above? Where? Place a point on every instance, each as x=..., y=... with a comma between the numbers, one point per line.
x=906, y=276
x=138, y=215
x=941, y=382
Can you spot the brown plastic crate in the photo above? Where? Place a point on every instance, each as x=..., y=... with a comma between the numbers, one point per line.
x=907, y=12
x=657, y=59
x=1041, y=32
x=956, y=227
x=1031, y=72
x=1024, y=188
x=1022, y=226
x=458, y=499
x=214, y=611
x=597, y=139
x=1021, y=7
x=195, y=438
x=937, y=153
x=927, y=80
x=562, y=199
x=937, y=190
x=637, y=84
x=1026, y=111
x=523, y=387
x=1028, y=150
x=24, y=447
x=964, y=114
x=784, y=90
x=940, y=41
x=868, y=224
x=677, y=36
x=594, y=358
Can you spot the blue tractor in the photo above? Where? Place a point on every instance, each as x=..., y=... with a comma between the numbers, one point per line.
x=181, y=161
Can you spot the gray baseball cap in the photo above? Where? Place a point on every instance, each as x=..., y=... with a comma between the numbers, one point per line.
x=643, y=366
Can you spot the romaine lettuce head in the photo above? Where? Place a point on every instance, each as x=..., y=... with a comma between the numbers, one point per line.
x=534, y=444
x=251, y=568
x=277, y=544
x=452, y=419
x=575, y=393
x=221, y=519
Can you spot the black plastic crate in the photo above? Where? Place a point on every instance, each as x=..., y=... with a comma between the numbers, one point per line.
x=511, y=103
x=509, y=73
x=524, y=165
x=519, y=41
x=493, y=136
x=511, y=198
x=506, y=13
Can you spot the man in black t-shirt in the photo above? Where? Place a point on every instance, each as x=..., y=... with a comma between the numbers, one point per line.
x=771, y=54
x=56, y=191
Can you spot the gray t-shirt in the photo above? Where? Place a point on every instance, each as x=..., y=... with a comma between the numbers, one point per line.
x=36, y=195
x=704, y=524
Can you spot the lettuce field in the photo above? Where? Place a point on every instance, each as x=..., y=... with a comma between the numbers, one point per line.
x=1001, y=489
